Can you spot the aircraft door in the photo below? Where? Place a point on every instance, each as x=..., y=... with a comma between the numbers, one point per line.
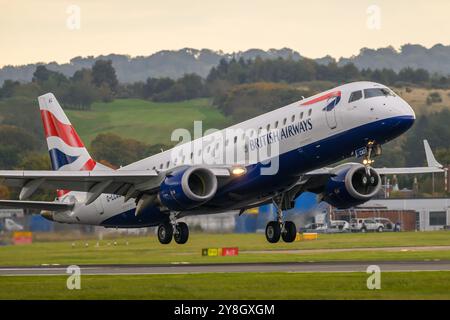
x=330, y=113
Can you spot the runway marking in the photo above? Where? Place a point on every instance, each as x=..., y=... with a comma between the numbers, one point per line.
x=291, y=267
x=306, y=251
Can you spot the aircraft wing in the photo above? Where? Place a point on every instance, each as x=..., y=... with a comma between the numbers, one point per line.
x=433, y=166
x=38, y=205
x=126, y=183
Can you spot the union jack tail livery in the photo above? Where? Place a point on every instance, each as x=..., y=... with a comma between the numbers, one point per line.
x=67, y=151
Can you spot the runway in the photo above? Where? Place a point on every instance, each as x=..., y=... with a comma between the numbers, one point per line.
x=359, y=266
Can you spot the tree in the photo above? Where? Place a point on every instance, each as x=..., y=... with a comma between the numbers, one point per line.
x=80, y=95
x=103, y=73
x=248, y=100
x=14, y=142
x=34, y=161
x=41, y=74
x=8, y=89
x=155, y=86
x=116, y=150
x=47, y=78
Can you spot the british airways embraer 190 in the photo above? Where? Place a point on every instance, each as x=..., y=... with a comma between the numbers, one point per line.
x=272, y=158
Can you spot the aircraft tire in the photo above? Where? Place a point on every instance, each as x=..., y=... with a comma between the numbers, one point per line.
x=165, y=233
x=182, y=234
x=273, y=232
x=290, y=232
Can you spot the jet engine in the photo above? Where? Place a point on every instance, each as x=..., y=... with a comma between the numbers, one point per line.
x=187, y=188
x=352, y=185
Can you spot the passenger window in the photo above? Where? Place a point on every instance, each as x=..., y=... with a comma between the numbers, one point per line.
x=301, y=115
x=284, y=121
x=293, y=118
x=167, y=164
x=161, y=166
x=235, y=139
x=309, y=112
x=268, y=127
x=276, y=124
x=355, y=96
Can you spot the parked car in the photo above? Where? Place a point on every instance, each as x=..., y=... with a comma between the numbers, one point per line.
x=339, y=226
x=314, y=227
x=364, y=225
x=388, y=225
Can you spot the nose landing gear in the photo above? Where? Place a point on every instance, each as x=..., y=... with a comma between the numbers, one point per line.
x=372, y=149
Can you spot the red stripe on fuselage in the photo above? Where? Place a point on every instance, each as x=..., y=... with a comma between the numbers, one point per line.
x=322, y=98
x=55, y=128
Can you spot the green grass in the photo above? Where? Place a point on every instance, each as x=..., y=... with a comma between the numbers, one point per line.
x=149, y=122
x=395, y=285
x=148, y=250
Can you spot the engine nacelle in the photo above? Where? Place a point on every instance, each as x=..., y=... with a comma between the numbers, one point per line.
x=351, y=186
x=187, y=188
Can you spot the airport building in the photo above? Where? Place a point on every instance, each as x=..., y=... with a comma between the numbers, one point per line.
x=430, y=213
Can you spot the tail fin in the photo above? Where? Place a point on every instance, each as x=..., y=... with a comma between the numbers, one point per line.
x=67, y=151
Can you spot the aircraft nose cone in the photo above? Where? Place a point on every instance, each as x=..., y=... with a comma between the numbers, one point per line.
x=409, y=111
x=407, y=121
x=408, y=116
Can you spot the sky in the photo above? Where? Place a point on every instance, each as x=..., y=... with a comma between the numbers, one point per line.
x=58, y=30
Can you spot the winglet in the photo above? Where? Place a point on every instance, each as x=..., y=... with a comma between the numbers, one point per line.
x=431, y=160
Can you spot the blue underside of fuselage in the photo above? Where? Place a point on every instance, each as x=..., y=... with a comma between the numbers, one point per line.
x=254, y=187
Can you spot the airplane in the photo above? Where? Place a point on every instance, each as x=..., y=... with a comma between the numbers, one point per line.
x=272, y=158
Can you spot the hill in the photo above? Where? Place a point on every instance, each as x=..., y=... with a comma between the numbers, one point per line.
x=166, y=63
x=176, y=63
x=146, y=121
x=435, y=59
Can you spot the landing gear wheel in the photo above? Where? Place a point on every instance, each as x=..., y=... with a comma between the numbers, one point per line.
x=181, y=234
x=273, y=232
x=290, y=232
x=165, y=233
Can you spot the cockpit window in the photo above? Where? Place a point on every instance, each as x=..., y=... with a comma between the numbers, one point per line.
x=355, y=96
x=377, y=92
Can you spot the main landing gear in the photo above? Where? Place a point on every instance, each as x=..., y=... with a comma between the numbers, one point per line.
x=276, y=229
x=179, y=231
